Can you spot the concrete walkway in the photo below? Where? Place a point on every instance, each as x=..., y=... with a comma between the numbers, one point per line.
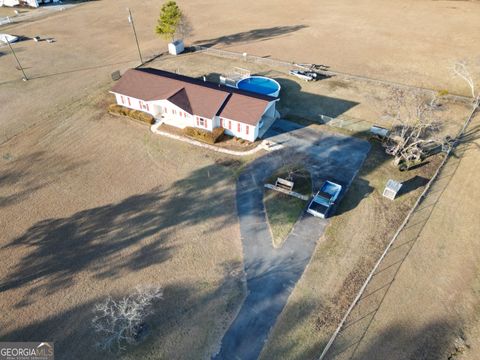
x=272, y=273
x=264, y=145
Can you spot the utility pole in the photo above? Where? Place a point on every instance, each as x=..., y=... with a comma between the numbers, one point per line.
x=25, y=78
x=130, y=20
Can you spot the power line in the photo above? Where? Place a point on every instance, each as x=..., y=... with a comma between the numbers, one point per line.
x=25, y=78
x=130, y=20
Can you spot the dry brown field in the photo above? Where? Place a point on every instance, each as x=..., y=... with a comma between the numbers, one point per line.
x=93, y=205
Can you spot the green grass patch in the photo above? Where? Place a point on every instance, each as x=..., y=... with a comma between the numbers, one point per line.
x=283, y=210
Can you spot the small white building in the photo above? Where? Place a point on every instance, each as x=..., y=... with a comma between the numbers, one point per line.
x=31, y=3
x=183, y=101
x=176, y=47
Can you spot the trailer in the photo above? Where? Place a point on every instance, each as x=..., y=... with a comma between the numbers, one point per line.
x=324, y=199
x=304, y=75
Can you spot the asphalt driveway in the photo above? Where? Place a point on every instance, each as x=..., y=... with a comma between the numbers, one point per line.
x=272, y=273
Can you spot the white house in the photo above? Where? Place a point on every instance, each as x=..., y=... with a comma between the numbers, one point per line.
x=182, y=101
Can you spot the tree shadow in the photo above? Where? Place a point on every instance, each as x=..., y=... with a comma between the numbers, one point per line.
x=358, y=190
x=470, y=137
x=357, y=329
x=250, y=36
x=319, y=109
x=299, y=312
x=31, y=173
x=432, y=341
x=412, y=184
x=128, y=235
x=185, y=307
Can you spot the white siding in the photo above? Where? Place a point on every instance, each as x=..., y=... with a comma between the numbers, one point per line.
x=135, y=104
x=270, y=111
x=173, y=115
x=238, y=129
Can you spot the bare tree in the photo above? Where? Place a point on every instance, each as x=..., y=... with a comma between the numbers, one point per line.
x=412, y=115
x=117, y=322
x=461, y=69
x=292, y=163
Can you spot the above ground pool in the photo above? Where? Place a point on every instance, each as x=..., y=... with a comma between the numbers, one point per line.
x=260, y=85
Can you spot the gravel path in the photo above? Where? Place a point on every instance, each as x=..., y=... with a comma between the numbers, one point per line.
x=272, y=273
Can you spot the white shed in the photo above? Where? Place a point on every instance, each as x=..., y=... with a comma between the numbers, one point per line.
x=391, y=189
x=176, y=47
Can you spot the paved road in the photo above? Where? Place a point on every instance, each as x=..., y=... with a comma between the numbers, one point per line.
x=272, y=273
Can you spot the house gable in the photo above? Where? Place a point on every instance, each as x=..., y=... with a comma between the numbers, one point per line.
x=194, y=96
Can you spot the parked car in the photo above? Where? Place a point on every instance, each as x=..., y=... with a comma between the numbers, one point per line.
x=304, y=75
x=324, y=199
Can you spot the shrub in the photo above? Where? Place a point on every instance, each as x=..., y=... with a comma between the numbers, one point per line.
x=134, y=114
x=210, y=137
x=141, y=116
x=118, y=109
x=118, y=323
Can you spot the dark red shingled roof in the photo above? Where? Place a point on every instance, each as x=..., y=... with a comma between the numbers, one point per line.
x=195, y=96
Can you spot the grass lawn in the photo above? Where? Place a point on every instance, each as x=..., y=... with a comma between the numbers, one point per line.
x=283, y=210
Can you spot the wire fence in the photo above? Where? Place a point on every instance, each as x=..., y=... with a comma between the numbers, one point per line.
x=243, y=56
x=402, y=227
x=325, y=71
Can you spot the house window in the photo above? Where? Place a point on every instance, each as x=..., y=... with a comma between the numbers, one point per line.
x=165, y=109
x=246, y=129
x=128, y=99
x=221, y=122
x=146, y=105
x=200, y=121
x=123, y=100
x=206, y=123
x=239, y=127
x=229, y=125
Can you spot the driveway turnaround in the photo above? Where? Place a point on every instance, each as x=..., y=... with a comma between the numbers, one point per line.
x=272, y=273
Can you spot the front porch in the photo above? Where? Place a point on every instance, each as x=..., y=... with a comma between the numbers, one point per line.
x=267, y=123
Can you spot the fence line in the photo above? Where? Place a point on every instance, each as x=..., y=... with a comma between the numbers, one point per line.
x=395, y=236
x=282, y=63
